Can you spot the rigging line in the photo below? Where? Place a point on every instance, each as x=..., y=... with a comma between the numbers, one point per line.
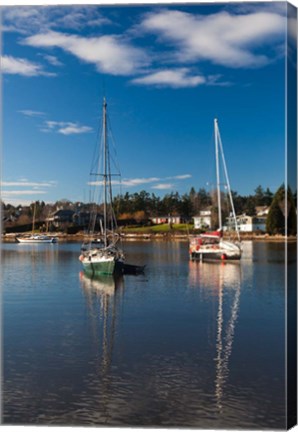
x=228, y=184
x=116, y=165
x=114, y=159
x=95, y=156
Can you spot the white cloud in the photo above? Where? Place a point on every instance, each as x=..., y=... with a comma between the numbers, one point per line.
x=163, y=186
x=14, y=191
x=175, y=78
x=138, y=181
x=20, y=66
x=52, y=60
x=31, y=113
x=29, y=19
x=110, y=54
x=26, y=183
x=220, y=38
x=143, y=181
x=65, y=128
x=182, y=176
x=74, y=129
x=7, y=194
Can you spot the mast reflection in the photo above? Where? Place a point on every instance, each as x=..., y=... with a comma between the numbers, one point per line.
x=102, y=295
x=221, y=281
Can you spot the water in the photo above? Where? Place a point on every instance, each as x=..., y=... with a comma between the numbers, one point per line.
x=185, y=345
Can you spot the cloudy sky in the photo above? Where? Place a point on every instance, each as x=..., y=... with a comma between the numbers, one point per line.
x=167, y=71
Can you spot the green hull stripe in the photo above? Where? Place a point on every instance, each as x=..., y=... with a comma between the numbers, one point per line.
x=103, y=268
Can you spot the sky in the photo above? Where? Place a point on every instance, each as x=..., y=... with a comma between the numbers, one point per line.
x=166, y=70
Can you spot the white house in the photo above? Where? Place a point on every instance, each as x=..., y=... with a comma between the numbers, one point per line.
x=262, y=210
x=203, y=220
x=157, y=220
x=249, y=223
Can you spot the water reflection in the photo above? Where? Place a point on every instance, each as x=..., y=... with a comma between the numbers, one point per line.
x=189, y=345
x=102, y=294
x=222, y=281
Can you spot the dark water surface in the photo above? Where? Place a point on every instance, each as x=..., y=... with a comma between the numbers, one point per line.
x=185, y=345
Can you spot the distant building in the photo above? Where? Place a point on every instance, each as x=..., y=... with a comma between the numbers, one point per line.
x=158, y=220
x=262, y=210
x=60, y=218
x=83, y=218
x=203, y=220
x=247, y=223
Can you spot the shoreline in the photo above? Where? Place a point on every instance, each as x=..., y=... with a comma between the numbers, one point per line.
x=11, y=238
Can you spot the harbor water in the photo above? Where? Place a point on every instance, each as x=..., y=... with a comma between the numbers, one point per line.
x=187, y=344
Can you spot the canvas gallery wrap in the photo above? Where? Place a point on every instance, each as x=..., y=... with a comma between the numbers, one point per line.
x=149, y=215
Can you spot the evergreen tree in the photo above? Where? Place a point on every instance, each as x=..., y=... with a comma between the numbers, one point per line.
x=250, y=206
x=282, y=209
x=259, y=196
x=268, y=196
x=292, y=213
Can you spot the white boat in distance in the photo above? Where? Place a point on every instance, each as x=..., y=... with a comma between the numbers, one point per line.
x=211, y=245
x=35, y=238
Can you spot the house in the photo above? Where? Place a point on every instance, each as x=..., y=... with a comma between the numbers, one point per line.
x=157, y=220
x=83, y=218
x=262, y=210
x=60, y=218
x=203, y=220
x=247, y=223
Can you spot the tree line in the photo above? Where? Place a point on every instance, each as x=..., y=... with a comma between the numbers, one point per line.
x=140, y=206
x=189, y=204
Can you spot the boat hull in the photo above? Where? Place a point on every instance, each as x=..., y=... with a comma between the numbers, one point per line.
x=214, y=251
x=99, y=262
x=99, y=268
x=28, y=240
x=214, y=256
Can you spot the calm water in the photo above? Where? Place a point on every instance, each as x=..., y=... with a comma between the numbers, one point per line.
x=185, y=345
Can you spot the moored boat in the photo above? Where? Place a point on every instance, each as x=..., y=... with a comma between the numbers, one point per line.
x=102, y=255
x=33, y=237
x=212, y=245
x=36, y=238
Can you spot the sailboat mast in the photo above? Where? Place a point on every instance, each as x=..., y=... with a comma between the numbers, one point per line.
x=105, y=171
x=217, y=175
x=34, y=216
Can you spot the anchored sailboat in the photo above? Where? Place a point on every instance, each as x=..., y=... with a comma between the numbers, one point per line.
x=212, y=246
x=35, y=238
x=102, y=256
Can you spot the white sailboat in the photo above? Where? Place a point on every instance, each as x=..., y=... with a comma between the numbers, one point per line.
x=103, y=256
x=212, y=246
x=35, y=238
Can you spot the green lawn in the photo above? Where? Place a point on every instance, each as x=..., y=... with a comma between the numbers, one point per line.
x=162, y=228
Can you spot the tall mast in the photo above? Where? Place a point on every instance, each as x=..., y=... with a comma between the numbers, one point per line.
x=217, y=175
x=105, y=170
x=34, y=215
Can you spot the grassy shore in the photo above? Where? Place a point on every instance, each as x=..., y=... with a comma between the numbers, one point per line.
x=159, y=232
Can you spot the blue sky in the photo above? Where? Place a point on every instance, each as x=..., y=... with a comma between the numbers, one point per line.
x=167, y=71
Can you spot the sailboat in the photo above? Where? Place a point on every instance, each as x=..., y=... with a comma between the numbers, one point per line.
x=102, y=256
x=211, y=245
x=35, y=238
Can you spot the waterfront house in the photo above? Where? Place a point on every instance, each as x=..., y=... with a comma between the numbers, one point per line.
x=170, y=219
x=203, y=220
x=247, y=223
x=262, y=210
x=60, y=218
